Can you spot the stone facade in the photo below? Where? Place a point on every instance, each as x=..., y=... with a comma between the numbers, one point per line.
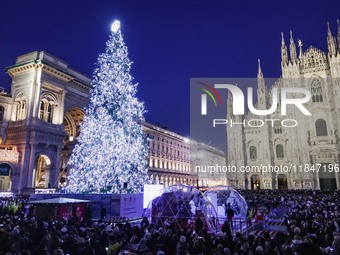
x=173, y=159
x=311, y=149
x=206, y=163
x=41, y=118
x=169, y=156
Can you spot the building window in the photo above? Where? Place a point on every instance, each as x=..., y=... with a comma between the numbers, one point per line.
x=2, y=113
x=46, y=111
x=41, y=112
x=279, y=151
x=277, y=128
x=321, y=127
x=253, y=153
x=49, y=116
x=316, y=91
x=21, y=109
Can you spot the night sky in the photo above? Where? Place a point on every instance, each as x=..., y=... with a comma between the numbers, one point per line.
x=168, y=41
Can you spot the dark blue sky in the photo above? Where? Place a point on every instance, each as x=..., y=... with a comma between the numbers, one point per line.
x=169, y=41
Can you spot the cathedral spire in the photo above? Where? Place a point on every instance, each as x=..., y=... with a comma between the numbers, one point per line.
x=261, y=90
x=338, y=35
x=330, y=42
x=292, y=49
x=329, y=32
x=284, y=55
x=259, y=73
x=300, y=48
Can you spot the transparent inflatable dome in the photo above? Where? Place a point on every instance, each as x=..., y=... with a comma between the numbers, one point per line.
x=223, y=196
x=178, y=205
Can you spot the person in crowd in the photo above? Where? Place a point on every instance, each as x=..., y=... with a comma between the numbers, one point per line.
x=102, y=212
x=249, y=216
x=198, y=224
x=145, y=223
x=230, y=215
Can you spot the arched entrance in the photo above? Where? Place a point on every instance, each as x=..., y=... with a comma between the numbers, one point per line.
x=282, y=182
x=42, y=172
x=326, y=177
x=5, y=177
x=72, y=120
x=255, y=182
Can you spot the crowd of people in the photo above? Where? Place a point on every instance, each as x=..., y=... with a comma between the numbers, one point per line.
x=312, y=222
x=268, y=198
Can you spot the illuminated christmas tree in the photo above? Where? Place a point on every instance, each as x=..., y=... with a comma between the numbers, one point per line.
x=111, y=153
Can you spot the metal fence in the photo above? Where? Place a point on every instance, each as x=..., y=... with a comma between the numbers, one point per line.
x=273, y=221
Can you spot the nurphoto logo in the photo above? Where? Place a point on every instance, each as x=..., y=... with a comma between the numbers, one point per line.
x=281, y=98
x=238, y=99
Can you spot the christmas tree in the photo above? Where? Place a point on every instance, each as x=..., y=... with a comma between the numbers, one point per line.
x=111, y=153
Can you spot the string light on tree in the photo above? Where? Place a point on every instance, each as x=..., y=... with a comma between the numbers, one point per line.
x=111, y=153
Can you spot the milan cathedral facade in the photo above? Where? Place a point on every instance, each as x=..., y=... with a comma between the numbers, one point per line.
x=302, y=157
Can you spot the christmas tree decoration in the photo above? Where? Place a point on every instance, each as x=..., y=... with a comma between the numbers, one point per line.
x=111, y=153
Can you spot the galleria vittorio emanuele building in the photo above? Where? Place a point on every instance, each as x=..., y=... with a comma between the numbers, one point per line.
x=306, y=156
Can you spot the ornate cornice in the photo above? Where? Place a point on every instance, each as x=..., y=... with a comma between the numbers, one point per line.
x=18, y=69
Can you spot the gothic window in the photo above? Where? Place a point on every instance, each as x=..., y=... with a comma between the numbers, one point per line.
x=316, y=91
x=279, y=151
x=252, y=153
x=277, y=128
x=321, y=127
x=2, y=112
x=21, y=109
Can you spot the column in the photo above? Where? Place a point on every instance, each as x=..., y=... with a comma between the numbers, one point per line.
x=55, y=171
x=30, y=182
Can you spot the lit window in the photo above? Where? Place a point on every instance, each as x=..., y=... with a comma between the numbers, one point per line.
x=46, y=111
x=21, y=109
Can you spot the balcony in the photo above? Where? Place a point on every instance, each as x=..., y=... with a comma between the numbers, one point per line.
x=36, y=122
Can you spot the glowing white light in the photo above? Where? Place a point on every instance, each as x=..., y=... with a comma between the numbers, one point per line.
x=9, y=154
x=115, y=26
x=186, y=140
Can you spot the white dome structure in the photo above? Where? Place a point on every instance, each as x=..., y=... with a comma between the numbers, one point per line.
x=178, y=205
x=221, y=196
